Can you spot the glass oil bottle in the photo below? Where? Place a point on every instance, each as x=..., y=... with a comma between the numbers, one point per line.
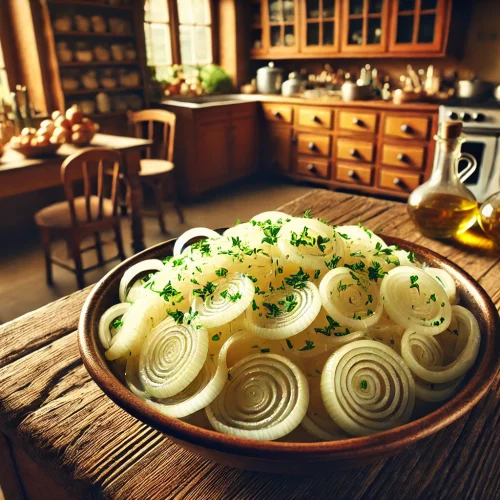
x=443, y=207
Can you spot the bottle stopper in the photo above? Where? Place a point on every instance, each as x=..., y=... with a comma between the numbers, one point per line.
x=451, y=129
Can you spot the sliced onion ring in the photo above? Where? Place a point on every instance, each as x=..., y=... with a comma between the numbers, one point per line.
x=132, y=272
x=194, y=232
x=445, y=280
x=107, y=318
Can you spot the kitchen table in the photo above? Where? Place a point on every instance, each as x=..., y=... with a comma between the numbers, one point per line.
x=19, y=175
x=51, y=408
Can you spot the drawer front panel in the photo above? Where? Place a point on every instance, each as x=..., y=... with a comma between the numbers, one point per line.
x=358, y=122
x=313, y=167
x=407, y=127
x=395, y=180
x=278, y=113
x=354, y=174
x=315, y=117
x=403, y=156
x=314, y=144
x=348, y=149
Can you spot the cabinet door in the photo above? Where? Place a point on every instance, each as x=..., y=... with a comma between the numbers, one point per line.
x=243, y=146
x=213, y=155
x=419, y=25
x=319, y=30
x=282, y=26
x=280, y=148
x=259, y=45
x=364, y=26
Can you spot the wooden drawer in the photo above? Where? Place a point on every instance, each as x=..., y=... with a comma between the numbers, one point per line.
x=278, y=112
x=315, y=117
x=314, y=144
x=347, y=149
x=317, y=167
x=403, y=156
x=407, y=127
x=396, y=180
x=354, y=174
x=358, y=122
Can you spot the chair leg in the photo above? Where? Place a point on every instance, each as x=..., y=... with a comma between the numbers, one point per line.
x=74, y=244
x=119, y=241
x=45, y=238
x=158, y=188
x=177, y=206
x=124, y=197
x=98, y=248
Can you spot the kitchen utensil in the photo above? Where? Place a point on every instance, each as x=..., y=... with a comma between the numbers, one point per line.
x=293, y=85
x=473, y=89
x=351, y=91
x=288, y=457
x=269, y=79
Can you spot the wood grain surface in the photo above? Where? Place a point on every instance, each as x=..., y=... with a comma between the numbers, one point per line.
x=51, y=407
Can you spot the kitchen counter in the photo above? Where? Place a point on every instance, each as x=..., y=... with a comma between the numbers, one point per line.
x=210, y=101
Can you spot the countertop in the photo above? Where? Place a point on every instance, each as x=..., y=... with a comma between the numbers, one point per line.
x=53, y=409
x=209, y=101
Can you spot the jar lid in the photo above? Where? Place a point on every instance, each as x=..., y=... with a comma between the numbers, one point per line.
x=269, y=69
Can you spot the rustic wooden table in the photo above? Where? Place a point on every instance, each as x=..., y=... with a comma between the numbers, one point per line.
x=50, y=406
x=20, y=175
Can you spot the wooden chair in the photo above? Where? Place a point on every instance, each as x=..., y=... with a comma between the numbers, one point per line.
x=82, y=216
x=157, y=169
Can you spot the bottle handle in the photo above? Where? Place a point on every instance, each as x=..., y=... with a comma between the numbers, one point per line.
x=465, y=173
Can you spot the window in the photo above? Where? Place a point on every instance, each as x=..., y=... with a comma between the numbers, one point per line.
x=177, y=31
x=4, y=85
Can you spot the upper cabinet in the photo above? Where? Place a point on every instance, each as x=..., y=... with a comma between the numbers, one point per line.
x=364, y=27
x=348, y=28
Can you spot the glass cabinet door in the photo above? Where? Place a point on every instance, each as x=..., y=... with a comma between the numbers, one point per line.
x=256, y=29
x=282, y=16
x=364, y=25
x=320, y=25
x=418, y=25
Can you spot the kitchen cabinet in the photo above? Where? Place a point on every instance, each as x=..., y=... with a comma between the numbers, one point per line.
x=279, y=148
x=364, y=26
x=286, y=29
x=214, y=145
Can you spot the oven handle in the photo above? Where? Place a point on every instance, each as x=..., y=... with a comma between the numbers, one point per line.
x=466, y=172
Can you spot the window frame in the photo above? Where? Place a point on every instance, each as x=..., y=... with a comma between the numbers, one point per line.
x=174, y=24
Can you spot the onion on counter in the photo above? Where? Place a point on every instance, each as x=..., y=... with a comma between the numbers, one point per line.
x=285, y=322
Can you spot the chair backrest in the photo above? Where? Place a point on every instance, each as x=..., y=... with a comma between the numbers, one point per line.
x=92, y=165
x=142, y=125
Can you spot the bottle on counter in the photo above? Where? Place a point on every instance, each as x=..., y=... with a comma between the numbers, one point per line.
x=489, y=218
x=443, y=207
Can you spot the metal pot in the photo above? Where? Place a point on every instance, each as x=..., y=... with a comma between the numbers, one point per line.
x=496, y=92
x=269, y=79
x=472, y=89
x=351, y=91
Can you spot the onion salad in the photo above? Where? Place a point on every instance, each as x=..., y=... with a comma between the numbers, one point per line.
x=289, y=326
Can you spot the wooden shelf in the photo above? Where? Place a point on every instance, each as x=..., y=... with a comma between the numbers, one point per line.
x=83, y=3
x=106, y=34
x=96, y=91
x=76, y=64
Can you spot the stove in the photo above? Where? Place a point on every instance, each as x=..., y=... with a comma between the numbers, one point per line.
x=482, y=130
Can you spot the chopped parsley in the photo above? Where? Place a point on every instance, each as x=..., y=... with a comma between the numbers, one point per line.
x=322, y=243
x=234, y=297
x=222, y=272
x=411, y=257
x=168, y=292
x=375, y=272
x=203, y=246
x=274, y=310
x=216, y=336
x=316, y=274
x=289, y=304
x=207, y=290
x=298, y=280
x=302, y=239
x=271, y=233
x=413, y=282
x=309, y=346
x=117, y=322
x=177, y=315
x=289, y=344
x=433, y=297
x=327, y=330
x=363, y=385
x=254, y=305
x=332, y=264
x=343, y=236
x=266, y=349
x=307, y=214
x=342, y=287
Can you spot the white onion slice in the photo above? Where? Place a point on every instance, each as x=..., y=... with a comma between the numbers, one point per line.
x=435, y=393
x=194, y=232
x=273, y=319
x=414, y=299
x=350, y=298
x=445, y=280
x=265, y=398
x=367, y=388
x=230, y=299
x=107, y=318
x=141, y=317
x=171, y=357
x=424, y=356
x=132, y=272
x=274, y=216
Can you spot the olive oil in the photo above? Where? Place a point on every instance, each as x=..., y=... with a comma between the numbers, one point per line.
x=489, y=218
x=444, y=215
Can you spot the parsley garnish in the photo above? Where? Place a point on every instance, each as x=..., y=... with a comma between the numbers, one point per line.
x=413, y=281
x=222, y=272
x=375, y=272
x=316, y=274
x=343, y=236
x=341, y=287
x=271, y=233
x=203, y=246
x=303, y=239
x=216, y=337
x=254, y=305
x=322, y=243
x=289, y=304
x=266, y=349
x=309, y=345
x=117, y=322
x=177, y=315
x=168, y=292
x=298, y=280
x=208, y=289
x=327, y=330
x=307, y=214
x=235, y=297
x=224, y=293
x=289, y=344
x=433, y=298
x=411, y=257
x=332, y=264
x=274, y=310
x=364, y=385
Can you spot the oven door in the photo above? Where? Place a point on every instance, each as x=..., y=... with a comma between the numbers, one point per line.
x=485, y=180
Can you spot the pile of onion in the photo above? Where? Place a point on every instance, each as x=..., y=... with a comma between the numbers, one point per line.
x=288, y=321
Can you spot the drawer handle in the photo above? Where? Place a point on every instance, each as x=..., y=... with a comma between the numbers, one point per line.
x=358, y=122
x=294, y=139
x=406, y=129
x=316, y=119
x=402, y=157
x=352, y=174
x=311, y=167
x=353, y=152
x=312, y=146
x=397, y=181
x=277, y=114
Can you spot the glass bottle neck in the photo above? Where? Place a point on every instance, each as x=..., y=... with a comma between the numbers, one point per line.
x=446, y=158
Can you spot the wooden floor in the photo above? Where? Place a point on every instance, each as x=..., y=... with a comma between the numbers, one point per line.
x=22, y=274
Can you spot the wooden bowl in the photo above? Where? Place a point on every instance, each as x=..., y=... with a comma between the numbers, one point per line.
x=294, y=457
x=37, y=151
